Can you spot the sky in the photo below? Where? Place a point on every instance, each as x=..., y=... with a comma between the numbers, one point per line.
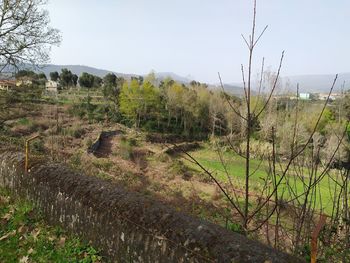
x=199, y=38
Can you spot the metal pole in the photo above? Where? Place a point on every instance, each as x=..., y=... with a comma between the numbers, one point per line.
x=26, y=160
x=26, y=164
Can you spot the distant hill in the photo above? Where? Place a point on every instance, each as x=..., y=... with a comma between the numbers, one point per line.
x=317, y=83
x=233, y=89
x=164, y=75
x=307, y=83
x=79, y=69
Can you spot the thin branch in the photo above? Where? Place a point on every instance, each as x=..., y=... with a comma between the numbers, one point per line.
x=262, y=33
x=227, y=99
x=274, y=85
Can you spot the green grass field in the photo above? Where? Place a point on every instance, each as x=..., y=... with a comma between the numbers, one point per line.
x=235, y=166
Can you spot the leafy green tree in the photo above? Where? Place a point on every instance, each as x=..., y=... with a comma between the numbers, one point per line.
x=97, y=82
x=86, y=80
x=75, y=79
x=36, y=79
x=66, y=78
x=54, y=76
x=138, y=102
x=111, y=90
x=139, y=79
x=174, y=97
x=110, y=79
x=40, y=79
x=129, y=101
x=25, y=73
x=42, y=76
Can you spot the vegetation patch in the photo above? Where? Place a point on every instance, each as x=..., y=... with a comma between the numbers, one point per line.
x=24, y=237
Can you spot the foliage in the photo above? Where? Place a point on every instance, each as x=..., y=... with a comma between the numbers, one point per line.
x=110, y=80
x=67, y=78
x=10, y=100
x=86, y=80
x=36, y=79
x=172, y=107
x=54, y=76
x=85, y=109
x=126, y=148
x=111, y=91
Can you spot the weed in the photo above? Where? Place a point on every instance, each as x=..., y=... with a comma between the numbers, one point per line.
x=235, y=227
x=103, y=175
x=38, y=146
x=125, y=148
x=76, y=132
x=75, y=160
x=23, y=121
x=89, y=143
x=103, y=164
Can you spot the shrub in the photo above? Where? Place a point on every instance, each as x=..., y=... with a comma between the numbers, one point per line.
x=76, y=132
x=103, y=164
x=75, y=160
x=38, y=146
x=23, y=121
x=126, y=148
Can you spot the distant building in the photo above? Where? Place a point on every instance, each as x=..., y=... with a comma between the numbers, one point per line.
x=24, y=81
x=52, y=86
x=304, y=96
x=333, y=96
x=7, y=84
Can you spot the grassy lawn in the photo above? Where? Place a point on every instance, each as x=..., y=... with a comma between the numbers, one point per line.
x=236, y=170
x=24, y=237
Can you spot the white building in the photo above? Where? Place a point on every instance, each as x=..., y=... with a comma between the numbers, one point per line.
x=52, y=86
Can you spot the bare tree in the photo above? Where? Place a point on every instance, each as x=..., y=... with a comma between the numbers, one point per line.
x=301, y=164
x=25, y=37
x=25, y=33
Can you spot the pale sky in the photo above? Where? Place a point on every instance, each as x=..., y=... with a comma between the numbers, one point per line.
x=201, y=37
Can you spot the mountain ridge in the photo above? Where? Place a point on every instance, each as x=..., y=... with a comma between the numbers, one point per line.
x=312, y=83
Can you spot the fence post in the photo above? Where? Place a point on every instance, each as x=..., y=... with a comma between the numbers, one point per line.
x=26, y=164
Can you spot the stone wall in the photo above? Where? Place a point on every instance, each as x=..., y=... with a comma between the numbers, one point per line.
x=126, y=226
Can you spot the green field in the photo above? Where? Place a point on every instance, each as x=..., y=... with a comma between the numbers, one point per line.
x=235, y=166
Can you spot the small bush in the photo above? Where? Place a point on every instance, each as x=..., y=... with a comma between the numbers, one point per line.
x=23, y=121
x=76, y=132
x=89, y=143
x=103, y=164
x=234, y=227
x=38, y=146
x=75, y=160
x=125, y=148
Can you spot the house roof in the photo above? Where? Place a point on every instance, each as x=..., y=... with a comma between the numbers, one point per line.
x=7, y=82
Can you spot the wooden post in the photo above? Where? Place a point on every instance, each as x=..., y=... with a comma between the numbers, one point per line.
x=26, y=164
x=26, y=160
x=314, y=238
